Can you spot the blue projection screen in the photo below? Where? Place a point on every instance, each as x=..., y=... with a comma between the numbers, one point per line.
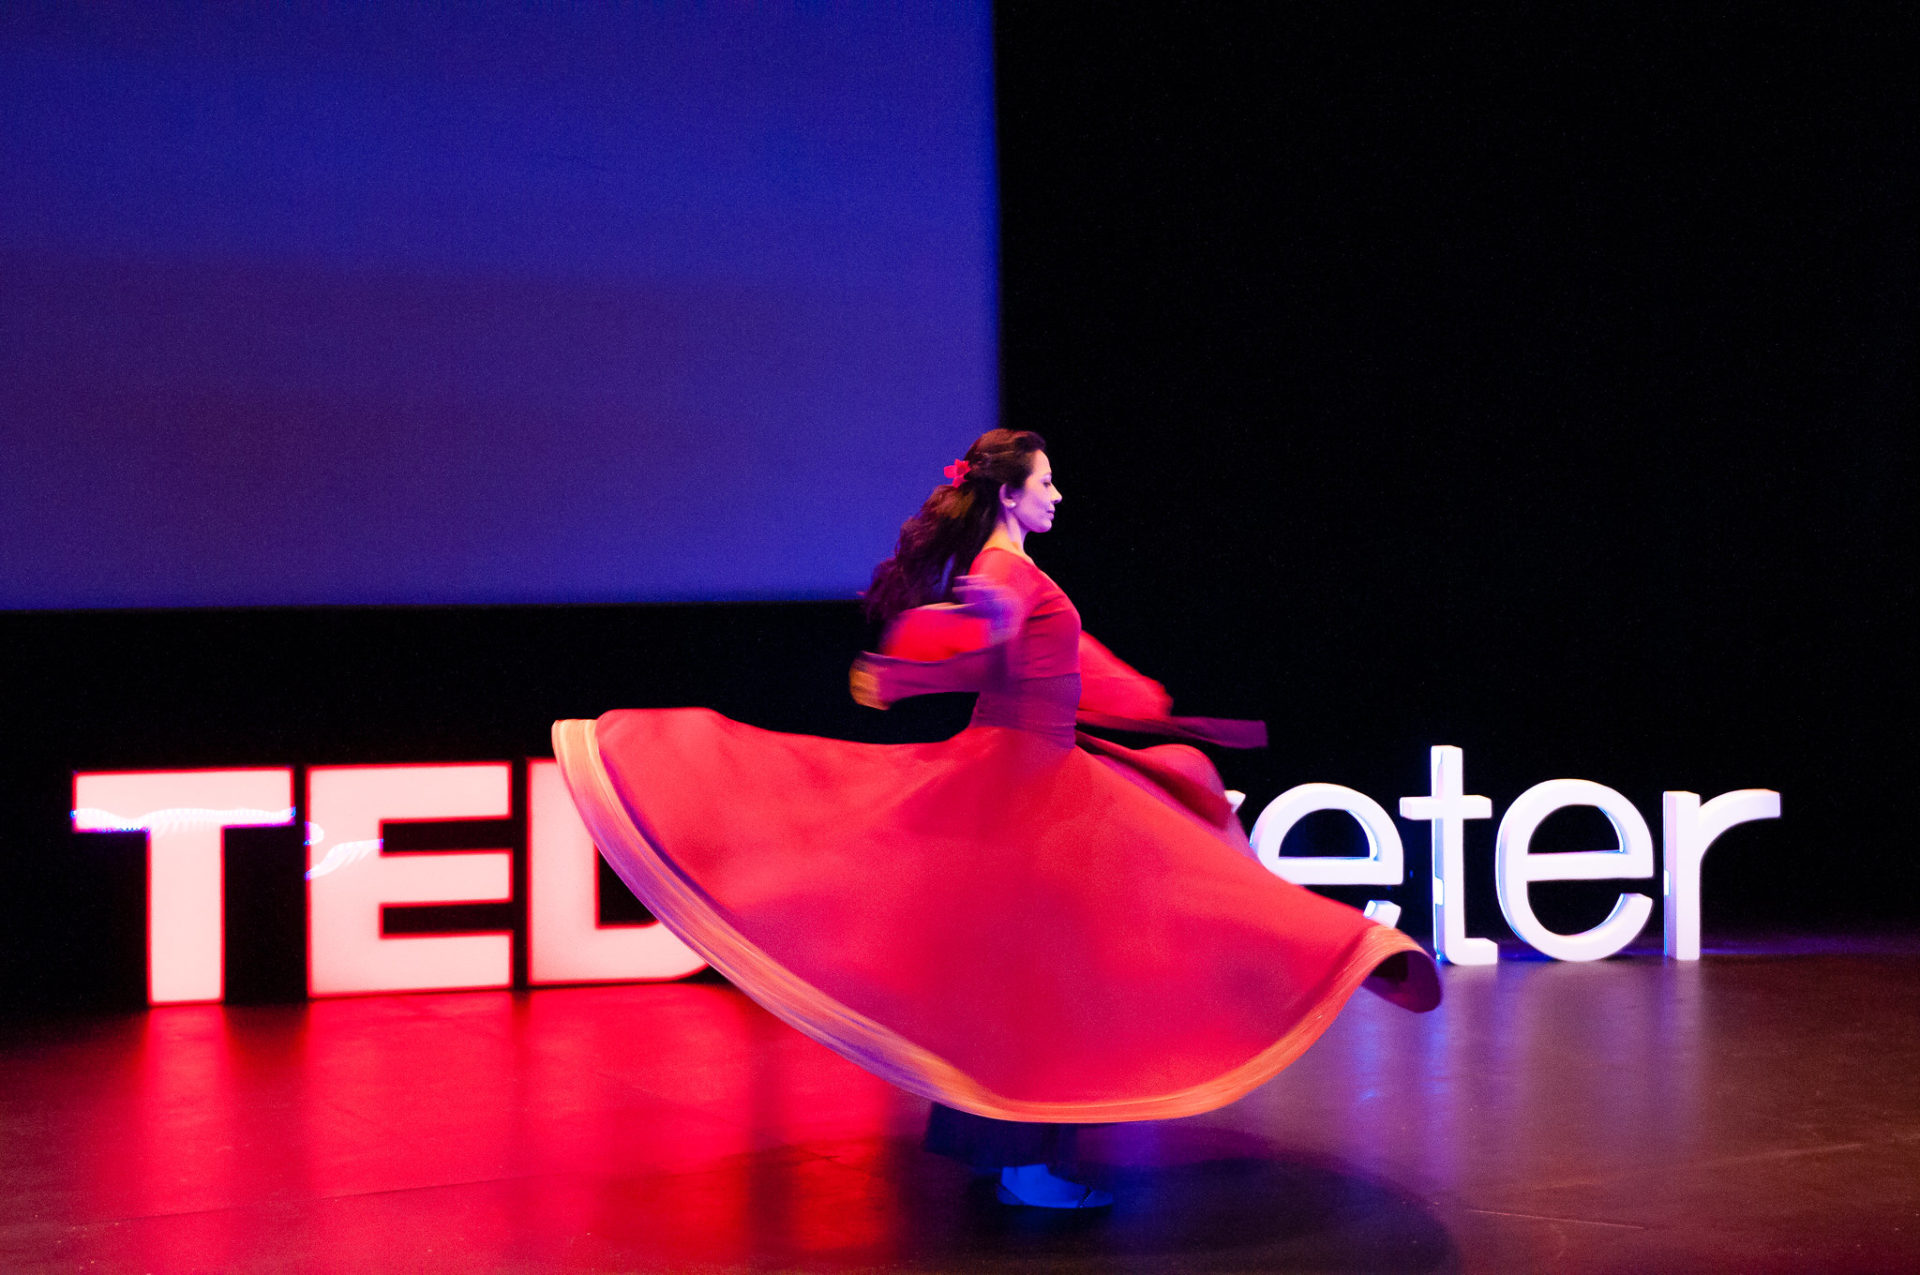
x=445, y=304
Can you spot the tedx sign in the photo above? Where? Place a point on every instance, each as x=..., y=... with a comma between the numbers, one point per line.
x=351, y=877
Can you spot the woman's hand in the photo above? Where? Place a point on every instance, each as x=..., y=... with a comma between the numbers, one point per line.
x=983, y=599
x=865, y=685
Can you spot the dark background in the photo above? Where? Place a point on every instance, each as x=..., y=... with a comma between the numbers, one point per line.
x=1536, y=383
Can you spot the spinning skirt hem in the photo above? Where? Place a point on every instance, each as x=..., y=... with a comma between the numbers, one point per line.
x=885, y=1053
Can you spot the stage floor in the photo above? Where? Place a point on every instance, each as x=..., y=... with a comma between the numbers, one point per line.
x=1759, y=1111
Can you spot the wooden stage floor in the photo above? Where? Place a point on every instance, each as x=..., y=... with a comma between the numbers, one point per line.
x=1759, y=1111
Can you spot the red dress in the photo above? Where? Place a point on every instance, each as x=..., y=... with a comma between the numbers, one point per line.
x=1023, y=922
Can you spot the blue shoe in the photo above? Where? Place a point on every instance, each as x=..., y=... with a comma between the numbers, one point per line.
x=1034, y=1186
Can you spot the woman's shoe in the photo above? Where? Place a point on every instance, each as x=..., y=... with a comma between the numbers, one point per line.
x=1035, y=1186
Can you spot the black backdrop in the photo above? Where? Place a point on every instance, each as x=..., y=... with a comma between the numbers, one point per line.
x=1540, y=384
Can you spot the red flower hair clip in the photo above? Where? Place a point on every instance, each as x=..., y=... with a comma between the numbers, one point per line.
x=957, y=471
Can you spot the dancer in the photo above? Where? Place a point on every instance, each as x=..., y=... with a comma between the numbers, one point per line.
x=1032, y=926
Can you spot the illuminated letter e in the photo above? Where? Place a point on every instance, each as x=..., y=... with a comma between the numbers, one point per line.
x=350, y=880
x=1516, y=869
x=1383, y=864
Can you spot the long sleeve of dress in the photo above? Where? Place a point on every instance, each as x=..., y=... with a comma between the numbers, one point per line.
x=1114, y=696
x=945, y=648
x=931, y=649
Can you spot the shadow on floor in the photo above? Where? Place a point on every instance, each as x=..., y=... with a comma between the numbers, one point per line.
x=1188, y=1198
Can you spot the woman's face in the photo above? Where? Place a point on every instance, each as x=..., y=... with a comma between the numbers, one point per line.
x=1031, y=504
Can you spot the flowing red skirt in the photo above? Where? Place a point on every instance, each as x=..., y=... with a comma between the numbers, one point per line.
x=1001, y=922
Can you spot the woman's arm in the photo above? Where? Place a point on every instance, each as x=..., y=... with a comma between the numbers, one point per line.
x=948, y=646
x=986, y=614
x=1109, y=685
x=1113, y=696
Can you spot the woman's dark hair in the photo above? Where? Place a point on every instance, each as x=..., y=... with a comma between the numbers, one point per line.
x=952, y=527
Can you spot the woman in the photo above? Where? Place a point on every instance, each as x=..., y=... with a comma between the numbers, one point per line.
x=1031, y=926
